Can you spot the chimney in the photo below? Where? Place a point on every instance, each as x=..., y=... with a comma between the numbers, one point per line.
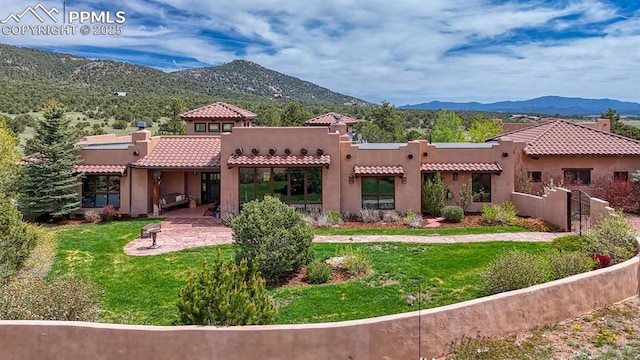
x=339, y=127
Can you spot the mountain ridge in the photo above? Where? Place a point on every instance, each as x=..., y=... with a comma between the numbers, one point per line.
x=564, y=106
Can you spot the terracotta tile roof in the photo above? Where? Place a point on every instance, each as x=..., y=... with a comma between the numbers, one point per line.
x=183, y=152
x=330, y=118
x=279, y=160
x=394, y=170
x=461, y=167
x=561, y=137
x=219, y=110
x=101, y=169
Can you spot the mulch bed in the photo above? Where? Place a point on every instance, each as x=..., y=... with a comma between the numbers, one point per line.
x=337, y=276
x=469, y=220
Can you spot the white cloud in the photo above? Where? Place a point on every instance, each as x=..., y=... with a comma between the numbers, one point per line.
x=399, y=51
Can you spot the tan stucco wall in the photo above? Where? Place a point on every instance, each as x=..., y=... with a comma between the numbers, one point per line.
x=281, y=138
x=141, y=188
x=389, y=337
x=407, y=195
x=551, y=207
x=501, y=184
x=603, y=166
x=140, y=143
x=598, y=209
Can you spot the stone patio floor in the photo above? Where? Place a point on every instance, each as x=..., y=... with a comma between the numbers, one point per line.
x=179, y=233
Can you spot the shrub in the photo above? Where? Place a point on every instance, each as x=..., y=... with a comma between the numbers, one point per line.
x=613, y=236
x=226, y=294
x=568, y=263
x=329, y=219
x=370, y=215
x=503, y=213
x=17, y=238
x=620, y=194
x=119, y=124
x=490, y=213
x=356, y=261
x=109, y=212
x=465, y=196
x=507, y=213
x=453, y=213
x=514, y=270
x=319, y=272
x=92, y=216
x=601, y=261
x=434, y=195
x=65, y=298
x=570, y=243
x=273, y=234
x=412, y=219
x=535, y=224
x=390, y=216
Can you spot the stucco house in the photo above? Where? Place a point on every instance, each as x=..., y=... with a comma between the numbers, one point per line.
x=226, y=161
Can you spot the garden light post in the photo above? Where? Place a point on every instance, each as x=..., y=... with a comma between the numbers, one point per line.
x=410, y=300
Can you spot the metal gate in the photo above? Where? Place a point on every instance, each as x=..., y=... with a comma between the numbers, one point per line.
x=580, y=213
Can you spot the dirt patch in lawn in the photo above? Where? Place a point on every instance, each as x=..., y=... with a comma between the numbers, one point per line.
x=338, y=275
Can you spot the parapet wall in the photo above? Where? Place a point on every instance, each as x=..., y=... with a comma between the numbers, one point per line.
x=389, y=337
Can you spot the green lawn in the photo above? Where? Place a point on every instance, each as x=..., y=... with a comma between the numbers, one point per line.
x=426, y=232
x=143, y=290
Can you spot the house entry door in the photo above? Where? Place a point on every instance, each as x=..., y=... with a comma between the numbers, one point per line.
x=210, y=187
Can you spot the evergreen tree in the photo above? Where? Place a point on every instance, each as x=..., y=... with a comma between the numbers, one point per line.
x=226, y=294
x=175, y=125
x=49, y=185
x=9, y=157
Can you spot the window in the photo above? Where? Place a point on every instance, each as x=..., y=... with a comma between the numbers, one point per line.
x=227, y=127
x=481, y=185
x=214, y=127
x=291, y=185
x=100, y=190
x=454, y=176
x=535, y=176
x=378, y=192
x=577, y=176
x=201, y=127
x=621, y=176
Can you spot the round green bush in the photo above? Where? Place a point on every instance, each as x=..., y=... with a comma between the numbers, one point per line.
x=319, y=272
x=453, y=213
x=570, y=242
x=273, y=234
x=514, y=270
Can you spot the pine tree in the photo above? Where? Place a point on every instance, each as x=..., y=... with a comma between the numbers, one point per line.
x=226, y=294
x=49, y=185
x=9, y=157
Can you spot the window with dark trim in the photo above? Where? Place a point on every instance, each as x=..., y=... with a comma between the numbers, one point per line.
x=577, y=176
x=535, y=176
x=100, y=190
x=621, y=176
x=481, y=186
x=378, y=192
x=200, y=127
x=214, y=127
x=227, y=127
x=291, y=185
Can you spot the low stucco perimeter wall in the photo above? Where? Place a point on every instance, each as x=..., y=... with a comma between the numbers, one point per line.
x=388, y=337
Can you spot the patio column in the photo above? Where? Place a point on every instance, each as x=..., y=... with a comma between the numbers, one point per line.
x=155, y=193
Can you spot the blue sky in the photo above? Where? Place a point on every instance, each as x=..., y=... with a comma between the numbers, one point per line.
x=404, y=51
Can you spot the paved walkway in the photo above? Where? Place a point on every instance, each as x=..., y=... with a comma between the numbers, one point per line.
x=184, y=233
